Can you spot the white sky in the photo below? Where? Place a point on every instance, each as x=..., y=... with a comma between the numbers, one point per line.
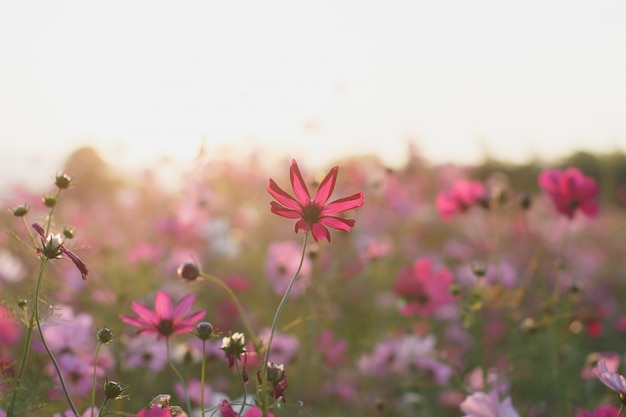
x=310, y=79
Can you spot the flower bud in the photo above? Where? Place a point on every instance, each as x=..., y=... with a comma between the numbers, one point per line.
x=69, y=233
x=105, y=335
x=22, y=303
x=204, y=330
x=525, y=201
x=20, y=211
x=113, y=390
x=188, y=271
x=62, y=181
x=50, y=201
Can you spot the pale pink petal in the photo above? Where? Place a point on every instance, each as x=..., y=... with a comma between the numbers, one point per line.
x=326, y=188
x=163, y=305
x=183, y=306
x=135, y=321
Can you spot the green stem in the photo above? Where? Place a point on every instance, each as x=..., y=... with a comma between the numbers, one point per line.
x=275, y=323
x=233, y=297
x=180, y=377
x=50, y=354
x=202, y=375
x=101, y=406
x=26, y=353
x=93, y=385
x=245, y=393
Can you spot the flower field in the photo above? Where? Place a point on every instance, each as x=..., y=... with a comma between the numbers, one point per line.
x=354, y=291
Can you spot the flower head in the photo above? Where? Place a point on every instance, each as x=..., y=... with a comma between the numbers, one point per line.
x=611, y=379
x=460, y=198
x=52, y=248
x=313, y=214
x=480, y=404
x=234, y=346
x=570, y=190
x=166, y=319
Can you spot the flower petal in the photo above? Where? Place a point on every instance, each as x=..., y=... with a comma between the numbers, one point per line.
x=343, y=204
x=285, y=212
x=163, y=305
x=145, y=314
x=298, y=184
x=338, y=223
x=282, y=197
x=134, y=321
x=319, y=231
x=326, y=188
x=183, y=306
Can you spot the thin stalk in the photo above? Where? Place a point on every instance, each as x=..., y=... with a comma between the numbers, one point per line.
x=275, y=322
x=180, y=377
x=93, y=385
x=102, y=406
x=50, y=354
x=29, y=338
x=202, y=375
x=245, y=393
x=233, y=297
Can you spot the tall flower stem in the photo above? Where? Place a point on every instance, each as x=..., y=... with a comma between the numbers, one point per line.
x=27, y=345
x=245, y=393
x=203, y=375
x=235, y=300
x=279, y=310
x=45, y=344
x=93, y=385
x=178, y=374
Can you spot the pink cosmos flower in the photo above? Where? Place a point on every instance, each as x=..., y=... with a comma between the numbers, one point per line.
x=480, y=404
x=610, y=377
x=460, y=198
x=166, y=319
x=154, y=412
x=570, y=190
x=423, y=288
x=313, y=214
x=52, y=248
x=602, y=411
x=282, y=262
x=334, y=351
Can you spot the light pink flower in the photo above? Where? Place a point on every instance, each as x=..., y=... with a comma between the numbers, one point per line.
x=570, y=190
x=610, y=377
x=460, y=198
x=282, y=263
x=313, y=214
x=480, y=404
x=611, y=361
x=166, y=319
x=423, y=288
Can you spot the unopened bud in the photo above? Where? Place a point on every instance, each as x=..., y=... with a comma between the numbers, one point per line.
x=188, y=271
x=204, y=330
x=113, y=390
x=50, y=201
x=62, y=181
x=105, y=335
x=22, y=303
x=69, y=233
x=20, y=211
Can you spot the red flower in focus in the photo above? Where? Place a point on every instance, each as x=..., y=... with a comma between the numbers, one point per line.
x=570, y=190
x=460, y=198
x=313, y=214
x=52, y=248
x=166, y=319
x=422, y=288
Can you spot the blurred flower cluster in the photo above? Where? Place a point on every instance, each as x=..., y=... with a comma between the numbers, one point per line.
x=443, y=294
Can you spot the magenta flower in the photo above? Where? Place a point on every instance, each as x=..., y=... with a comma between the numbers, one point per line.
x=480, y=404
x=226, y=410
x=602, y=411
x=570, y=190
x=166, y=319
x=460, y=198
x=422, y=288
x=610, y=378
x=313, y=214
x=52, y=248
